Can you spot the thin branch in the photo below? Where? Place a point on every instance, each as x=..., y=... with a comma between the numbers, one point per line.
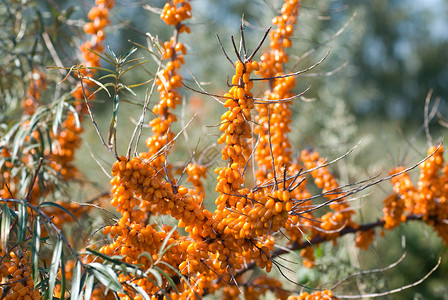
x=426, y=121
x=295, y=73
x=97, y=161
x=33, y=180
x=400, y=289
x=327, y=74
x=139, y=126
x=94, y=122
x=259, y=44
x=378, y=270
x=270, y=149
x=223, y=50
x=338, y=33
x=199, y=85
x=235, y=49
x=243, y=41
x=289, y=99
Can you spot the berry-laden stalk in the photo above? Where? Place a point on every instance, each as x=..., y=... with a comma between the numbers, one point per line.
x=426, y=199
x=168, y=81
x=243, y=218
x=273, y=154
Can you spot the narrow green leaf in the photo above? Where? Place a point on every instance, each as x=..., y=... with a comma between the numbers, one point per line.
x=156, y=275
x=159, y=287
x=100, y=88
x=102, y=69
x=147, y=49
x=99, y=84
x=75, y=114
x=22, y=221
x=113, y=121
x=60, y=207
x=162, y=249
x=49, y=139
x=104, y=56
x=12, y=132
x=108, y=76
x=147, y=255
x=111, y=52
x=76, y=281
x=167, y=277
x=106, y=276
x=178, y=273
x=122, y=86
x=63, y=279
x=89, y=287
x=116, y=259
x=140, y=290
x=35, y=250
x=130, y=52
x=57, y=254
x=140, y=84
x=5, y=226
x=134, y=66
x=58, y=116
x=123, y=269
x=81, y=295
x=115, y=107
x=46, y=295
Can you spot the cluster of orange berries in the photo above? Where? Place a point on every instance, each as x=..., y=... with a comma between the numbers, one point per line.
x=241, y=215
x=317, y=295
x=196, y=174
x=59, y=217
x=342, y=215
x=235, y=122
x=99, y=19
x=364, y=238
x=176, y=11
x=17, y=282
x=167, y=82
x=135, y=187
x=256, y=289
x=63, y=152
x=271, y=62
x=428, y=199
x=275, y=119
x=253, y=215
x=37, y=84
x=135, y=179
x=275, y=124
x=5, y=174
x=393, y=210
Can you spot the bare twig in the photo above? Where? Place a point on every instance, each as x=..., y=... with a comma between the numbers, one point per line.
x=94, y=122
x=378, y=270
x=259, y=45
x=400, y=289
x=223, y=50
x=426, y=118
x=294, y=73
x=338, y=33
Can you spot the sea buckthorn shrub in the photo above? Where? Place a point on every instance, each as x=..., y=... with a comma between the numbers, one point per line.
x=163, y=233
